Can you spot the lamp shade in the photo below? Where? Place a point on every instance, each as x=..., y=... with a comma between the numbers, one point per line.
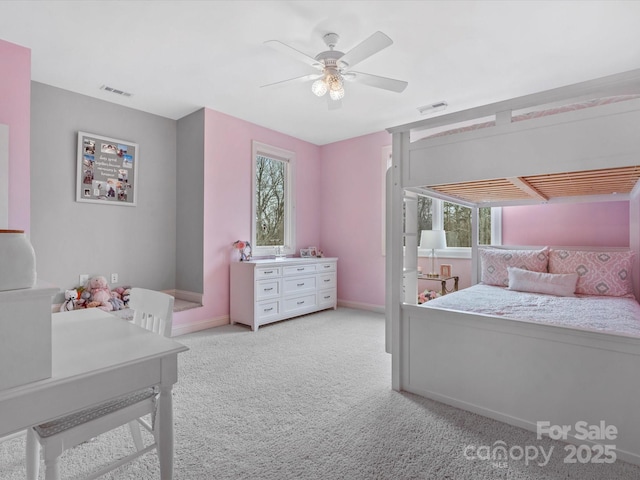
x=433, y=239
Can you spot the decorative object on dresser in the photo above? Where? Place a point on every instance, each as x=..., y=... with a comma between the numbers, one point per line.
x=244, y=247
x=266, y=291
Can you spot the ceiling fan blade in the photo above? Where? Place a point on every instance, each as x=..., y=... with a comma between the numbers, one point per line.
x=364, y=50
x=304, y=78
x=297, y=54
x=376, y=81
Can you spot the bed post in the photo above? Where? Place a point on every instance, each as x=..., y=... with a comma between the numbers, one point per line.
x=394, y=261
x=634, y=238
x=475, y=222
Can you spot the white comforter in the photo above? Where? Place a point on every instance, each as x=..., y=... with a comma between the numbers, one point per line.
x=619, y=315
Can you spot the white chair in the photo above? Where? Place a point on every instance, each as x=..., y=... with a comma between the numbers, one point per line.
x=152, y=311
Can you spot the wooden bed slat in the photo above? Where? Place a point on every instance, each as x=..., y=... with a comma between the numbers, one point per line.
x=544, y=187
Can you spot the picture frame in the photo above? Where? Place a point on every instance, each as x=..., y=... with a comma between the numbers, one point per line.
x=304, y=253
x=107, y=170
x=445, y=270
x=313, y=251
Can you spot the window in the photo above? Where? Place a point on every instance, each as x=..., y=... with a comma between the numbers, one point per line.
x=456, y=221
x=273, y=208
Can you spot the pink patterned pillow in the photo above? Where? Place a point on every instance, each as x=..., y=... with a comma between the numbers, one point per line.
x=494, y=263
x=599, y=273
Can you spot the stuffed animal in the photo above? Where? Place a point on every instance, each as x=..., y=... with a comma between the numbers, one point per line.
x=115, y=300
x=100, y=293
x=126, y=294
x=85, y=298
x=70, y=297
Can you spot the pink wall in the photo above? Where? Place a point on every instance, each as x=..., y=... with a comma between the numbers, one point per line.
x=580, y=224
x=15, y=111
x=351, y=216
x=227, y=201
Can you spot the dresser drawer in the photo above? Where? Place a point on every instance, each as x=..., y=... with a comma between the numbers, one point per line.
x=300, y=269
x=327, y=298
x=299, y=303
x=268, y=272
x=328, y=280
x=327, y=267
x=267, y=309
x=298, y=284
x=267, y=289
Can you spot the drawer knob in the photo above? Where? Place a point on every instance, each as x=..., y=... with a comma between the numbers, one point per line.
x=327, y=297
x=301, y=269
x=327, y=266
x=268, y=309
x=268, y=271
x=300, y=284
x=327, y=280
x=268, y=289
x=300, y=303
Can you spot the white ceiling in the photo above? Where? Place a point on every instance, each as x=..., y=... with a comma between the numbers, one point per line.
x=178, y=56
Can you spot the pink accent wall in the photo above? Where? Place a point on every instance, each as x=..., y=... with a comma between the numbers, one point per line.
x=15, y=111
x=604, y=224
x=351, y=216
x=227, y=201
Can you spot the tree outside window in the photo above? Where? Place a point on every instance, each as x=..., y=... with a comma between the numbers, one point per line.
x=273, y=200
x=270, y=201
x=455, y=220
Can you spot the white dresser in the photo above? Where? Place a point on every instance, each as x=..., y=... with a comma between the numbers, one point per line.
x=265, y=291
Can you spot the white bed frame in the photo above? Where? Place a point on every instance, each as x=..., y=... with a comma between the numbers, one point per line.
x=515, y=371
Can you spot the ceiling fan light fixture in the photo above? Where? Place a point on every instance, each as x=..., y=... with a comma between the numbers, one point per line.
x=337, y=94
x=319, y=87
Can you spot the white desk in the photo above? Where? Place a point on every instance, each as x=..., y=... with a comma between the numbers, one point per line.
x=96, y=357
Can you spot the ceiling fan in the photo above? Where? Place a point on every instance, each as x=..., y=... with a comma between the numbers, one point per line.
x=335, y=67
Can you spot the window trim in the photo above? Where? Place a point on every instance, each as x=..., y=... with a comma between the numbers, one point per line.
x=289, y=158
x=437, y=220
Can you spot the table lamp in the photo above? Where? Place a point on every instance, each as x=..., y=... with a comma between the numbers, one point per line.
x=433, y=239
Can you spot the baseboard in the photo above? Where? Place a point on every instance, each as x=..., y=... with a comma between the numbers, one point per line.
x=178, y=330
x=361, y=306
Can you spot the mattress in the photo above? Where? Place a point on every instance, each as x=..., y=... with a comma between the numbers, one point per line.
x=614, y=315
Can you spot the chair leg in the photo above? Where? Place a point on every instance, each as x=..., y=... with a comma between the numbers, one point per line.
x=134, y=426
x=33, y=455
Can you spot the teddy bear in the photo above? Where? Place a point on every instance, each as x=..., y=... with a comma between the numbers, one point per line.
x=70, y=297
x=100, y=293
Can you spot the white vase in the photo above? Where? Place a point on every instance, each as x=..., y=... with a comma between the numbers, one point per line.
x=17, y=261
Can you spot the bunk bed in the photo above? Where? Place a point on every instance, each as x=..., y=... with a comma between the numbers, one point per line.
x=575, y=143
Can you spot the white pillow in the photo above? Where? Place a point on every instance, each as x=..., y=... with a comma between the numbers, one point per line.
x=562, y=285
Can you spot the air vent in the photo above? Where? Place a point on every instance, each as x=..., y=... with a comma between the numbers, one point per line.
x=115, y=90
x=433, y=108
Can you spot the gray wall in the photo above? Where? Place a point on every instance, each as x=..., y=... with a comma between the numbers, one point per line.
x=190, y=205
x=71, y=238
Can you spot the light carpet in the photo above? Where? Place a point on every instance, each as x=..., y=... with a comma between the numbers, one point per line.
x=310, y=398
